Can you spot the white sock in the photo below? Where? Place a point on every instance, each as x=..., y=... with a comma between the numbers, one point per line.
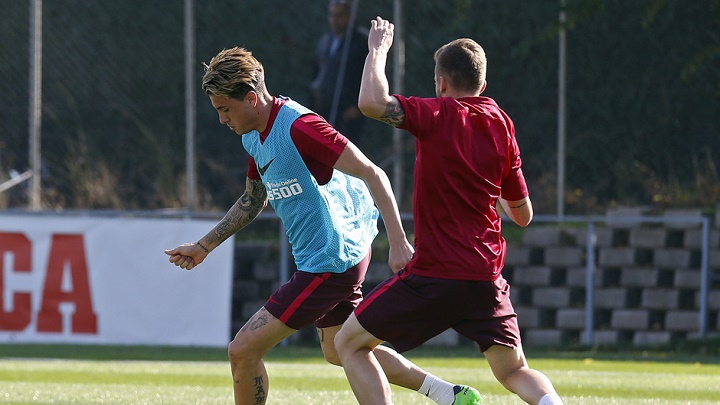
x=550, y=399
x=438, y=390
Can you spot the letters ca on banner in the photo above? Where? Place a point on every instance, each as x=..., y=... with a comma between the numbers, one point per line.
x=107, y=280
x=66, y=252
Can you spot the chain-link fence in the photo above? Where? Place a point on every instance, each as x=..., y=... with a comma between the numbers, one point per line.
x=643, y=94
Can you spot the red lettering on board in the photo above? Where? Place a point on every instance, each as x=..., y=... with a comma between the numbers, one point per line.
x=67, y=251
x=20, y=247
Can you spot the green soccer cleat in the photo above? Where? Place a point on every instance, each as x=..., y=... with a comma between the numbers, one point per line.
x=465, y=395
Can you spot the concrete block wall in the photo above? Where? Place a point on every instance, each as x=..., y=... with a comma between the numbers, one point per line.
x=255, y=277
x=647, y=282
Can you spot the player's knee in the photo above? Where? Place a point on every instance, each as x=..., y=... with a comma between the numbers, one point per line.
x=233, y=351
x=332, y=357
x=341, y=340
x=238, y=352
x=330, y=351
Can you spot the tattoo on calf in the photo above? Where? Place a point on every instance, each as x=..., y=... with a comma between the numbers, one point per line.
x=259, y=390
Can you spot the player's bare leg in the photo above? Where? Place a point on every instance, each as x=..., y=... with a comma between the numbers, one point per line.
x=252, y=342
x=511, y=369
x=398, y=370
x=363, y=370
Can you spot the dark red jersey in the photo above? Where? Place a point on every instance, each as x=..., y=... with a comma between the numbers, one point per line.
x=466, y=158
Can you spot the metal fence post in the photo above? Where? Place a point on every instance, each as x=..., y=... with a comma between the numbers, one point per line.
x=35, y=97
x=590, y=285
x=704, y=277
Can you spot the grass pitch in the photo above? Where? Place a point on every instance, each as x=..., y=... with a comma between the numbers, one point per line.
x=37, y=374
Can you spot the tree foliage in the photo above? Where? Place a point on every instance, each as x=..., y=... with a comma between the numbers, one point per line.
x=643, y=94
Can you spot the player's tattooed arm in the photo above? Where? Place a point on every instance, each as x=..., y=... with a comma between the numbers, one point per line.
x=244, y=211
x=394, y=113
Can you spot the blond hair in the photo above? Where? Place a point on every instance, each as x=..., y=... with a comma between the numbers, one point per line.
x=233, y=73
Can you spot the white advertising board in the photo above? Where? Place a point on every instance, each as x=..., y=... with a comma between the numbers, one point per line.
x=73, y=279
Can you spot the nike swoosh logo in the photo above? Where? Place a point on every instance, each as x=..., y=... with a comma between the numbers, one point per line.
x=263, y=169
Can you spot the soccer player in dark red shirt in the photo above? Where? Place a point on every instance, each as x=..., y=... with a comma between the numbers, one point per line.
x=467, y=161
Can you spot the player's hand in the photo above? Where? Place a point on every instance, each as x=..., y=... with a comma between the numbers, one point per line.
x=381, y=35
x=187, y=255
x=400, y=255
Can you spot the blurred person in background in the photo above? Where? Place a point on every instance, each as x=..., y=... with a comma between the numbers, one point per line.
x=338, y=70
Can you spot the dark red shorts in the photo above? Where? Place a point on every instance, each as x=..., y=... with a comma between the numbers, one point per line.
x=406, y=310
x=323, y=299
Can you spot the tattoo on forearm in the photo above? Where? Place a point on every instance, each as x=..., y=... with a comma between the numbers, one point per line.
x=518, y=206
x=321, y=334
x=394, y=114
x=245, y=209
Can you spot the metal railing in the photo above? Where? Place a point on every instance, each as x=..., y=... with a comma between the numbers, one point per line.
x=15, y=180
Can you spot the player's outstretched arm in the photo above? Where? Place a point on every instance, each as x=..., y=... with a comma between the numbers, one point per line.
x=244, y=211
x=375, y=100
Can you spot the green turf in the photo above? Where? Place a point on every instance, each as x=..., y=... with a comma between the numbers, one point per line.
x=99, y=375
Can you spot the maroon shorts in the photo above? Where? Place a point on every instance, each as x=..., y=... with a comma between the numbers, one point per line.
x=325, y=299
x=406, y=310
